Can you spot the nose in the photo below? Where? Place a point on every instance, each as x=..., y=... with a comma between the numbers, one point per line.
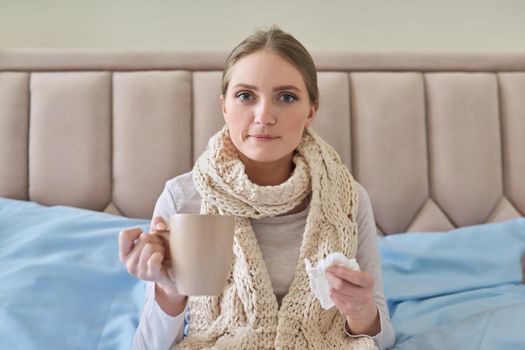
x=264, y=114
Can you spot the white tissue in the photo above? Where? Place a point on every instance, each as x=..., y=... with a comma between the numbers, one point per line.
x=319, y=283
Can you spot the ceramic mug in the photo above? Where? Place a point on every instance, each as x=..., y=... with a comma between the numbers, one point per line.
x=201, y=252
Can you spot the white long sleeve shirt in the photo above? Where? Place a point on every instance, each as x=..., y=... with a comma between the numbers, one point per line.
x=279, y=239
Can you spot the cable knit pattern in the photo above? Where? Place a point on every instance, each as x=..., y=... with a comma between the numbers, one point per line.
x=246, y=314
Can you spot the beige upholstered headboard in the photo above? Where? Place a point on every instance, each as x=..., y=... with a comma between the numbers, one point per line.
x=438, y=140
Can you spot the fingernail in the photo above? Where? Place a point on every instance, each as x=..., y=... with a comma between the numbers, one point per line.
x=161, y=226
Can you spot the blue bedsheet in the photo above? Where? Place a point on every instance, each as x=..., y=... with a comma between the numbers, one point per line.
x=457, y=290
x=61, y=283
x=62, y=286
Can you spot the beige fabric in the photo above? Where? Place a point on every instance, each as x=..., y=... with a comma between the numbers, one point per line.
x=333, y=116
x=14, y=122
x=95, y=59
x=438, y=140
x=512, y=94
x=151, y=125
x=430, y=218
x=246, y=314
x=390, y=154
x=68, y=111
x=207, y=114
x=113, y=60
x=503, y=211
x=465, y=144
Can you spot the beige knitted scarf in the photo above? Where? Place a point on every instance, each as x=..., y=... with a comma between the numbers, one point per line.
x=246, y=315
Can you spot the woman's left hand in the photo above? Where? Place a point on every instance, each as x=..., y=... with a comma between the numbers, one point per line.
x=352, y=293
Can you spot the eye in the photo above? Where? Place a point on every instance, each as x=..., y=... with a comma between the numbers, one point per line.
x=287, y=98
x=244, y=96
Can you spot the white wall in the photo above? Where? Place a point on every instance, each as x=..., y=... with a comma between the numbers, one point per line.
x=357, y=25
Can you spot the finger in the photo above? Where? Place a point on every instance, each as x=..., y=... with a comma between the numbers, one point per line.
x=353, y=295
x=335, y=282
x=132, y=259
x=146, y=253
x=339, y=302
x=359, y=278
x=158, y=224
x=155, y=266
x=342, y=286
x=164, y=237
x=126, y=241
x=161, y=270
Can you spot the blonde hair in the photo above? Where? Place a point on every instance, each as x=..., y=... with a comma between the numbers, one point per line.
x=281, y=43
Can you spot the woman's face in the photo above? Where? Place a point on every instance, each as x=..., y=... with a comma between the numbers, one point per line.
x=266, y=107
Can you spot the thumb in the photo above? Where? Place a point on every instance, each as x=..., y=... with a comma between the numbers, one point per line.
x=158, y=224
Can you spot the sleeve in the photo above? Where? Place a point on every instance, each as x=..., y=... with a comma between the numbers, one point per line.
x=158, y=330
x=369, y=260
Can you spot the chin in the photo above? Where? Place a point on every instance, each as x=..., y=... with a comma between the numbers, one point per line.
x=264, y=157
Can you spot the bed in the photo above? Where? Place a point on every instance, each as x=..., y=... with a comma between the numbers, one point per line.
x=88, y=138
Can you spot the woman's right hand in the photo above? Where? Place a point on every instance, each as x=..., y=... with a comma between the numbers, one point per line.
x=147, y=257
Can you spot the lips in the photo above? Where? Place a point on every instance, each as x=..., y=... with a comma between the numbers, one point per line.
x=263, y=137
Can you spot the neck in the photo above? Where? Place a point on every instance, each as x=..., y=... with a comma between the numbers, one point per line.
x=268, y=173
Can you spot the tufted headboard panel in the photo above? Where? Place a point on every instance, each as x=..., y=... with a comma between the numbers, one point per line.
x=438, y=140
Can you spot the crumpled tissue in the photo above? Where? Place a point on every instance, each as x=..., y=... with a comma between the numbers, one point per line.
x=317, y=275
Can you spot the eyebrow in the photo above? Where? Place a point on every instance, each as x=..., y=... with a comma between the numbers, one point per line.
x=278, y=88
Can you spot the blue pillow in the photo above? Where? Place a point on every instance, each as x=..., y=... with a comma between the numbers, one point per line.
x=457, y=290
x=446, y=262
x=62, y=285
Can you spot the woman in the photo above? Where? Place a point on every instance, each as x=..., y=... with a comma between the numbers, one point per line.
x=292, y=199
